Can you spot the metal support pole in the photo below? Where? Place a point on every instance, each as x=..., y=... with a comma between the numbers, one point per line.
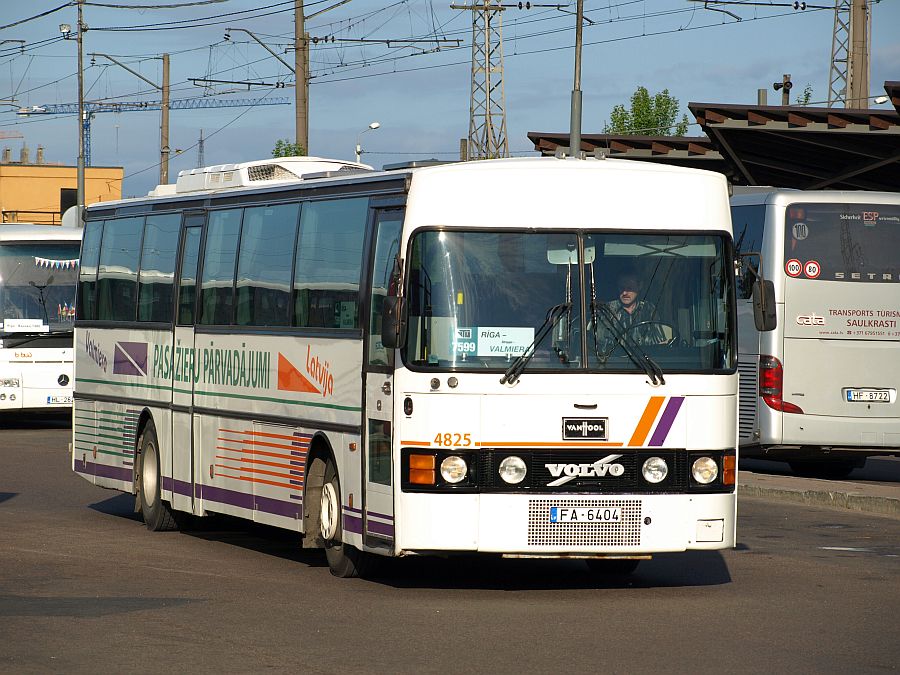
x=80, y=168
x=575, y=119
x=164, y=124
x=301, y=76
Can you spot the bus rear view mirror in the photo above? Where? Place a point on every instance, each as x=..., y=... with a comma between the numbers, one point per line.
x=764, y=305
x=569, y=256
x=393, y=323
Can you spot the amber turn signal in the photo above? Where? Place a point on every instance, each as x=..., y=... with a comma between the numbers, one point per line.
x=422, y=469
x=729, y=465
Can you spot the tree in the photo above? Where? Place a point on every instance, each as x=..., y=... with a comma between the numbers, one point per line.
x=648, y=116
x=284, y=148
x=805, y=95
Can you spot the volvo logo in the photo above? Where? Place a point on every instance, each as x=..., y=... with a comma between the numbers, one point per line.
x=563, y=473
x=63, y=380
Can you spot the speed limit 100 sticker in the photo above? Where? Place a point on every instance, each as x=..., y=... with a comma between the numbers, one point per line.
x=793, y=267
x=812, y=269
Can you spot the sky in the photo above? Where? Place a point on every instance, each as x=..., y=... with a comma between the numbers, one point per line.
x=419, y=92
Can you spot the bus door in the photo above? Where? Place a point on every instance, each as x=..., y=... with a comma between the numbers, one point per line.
x=379, y=398
x=186, y=367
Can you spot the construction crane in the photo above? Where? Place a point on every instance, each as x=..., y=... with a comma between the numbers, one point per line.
x=91, y=108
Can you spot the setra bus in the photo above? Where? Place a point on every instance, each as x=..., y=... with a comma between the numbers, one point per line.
x=38, y=273
x=820, y=392
x=420, y=360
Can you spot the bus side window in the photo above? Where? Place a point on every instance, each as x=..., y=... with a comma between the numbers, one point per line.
x=264, y=265
x=87, y=278
x=187, y=285
x=329, y=263
x=117, y=272
x=157, y=273
x=748, y=223
x=219, y=257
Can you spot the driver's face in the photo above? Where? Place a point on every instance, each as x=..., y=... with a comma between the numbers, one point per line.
x=629, y=293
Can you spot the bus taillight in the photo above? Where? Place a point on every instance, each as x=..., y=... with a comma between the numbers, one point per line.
x=771, y=385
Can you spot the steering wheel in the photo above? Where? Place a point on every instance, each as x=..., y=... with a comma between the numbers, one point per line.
x=676, y=337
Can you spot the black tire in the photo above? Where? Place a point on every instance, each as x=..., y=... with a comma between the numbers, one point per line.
x=344, y=561
x=829, y=469
x=615, y=567
x=156, y=513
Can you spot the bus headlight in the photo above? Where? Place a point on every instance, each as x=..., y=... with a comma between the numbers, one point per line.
x=513, y=470
x=655, y=470
x=705, y=470
x=454, y=469
x=9, y=382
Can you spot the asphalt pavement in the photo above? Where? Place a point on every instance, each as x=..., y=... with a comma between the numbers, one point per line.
x=874, y=488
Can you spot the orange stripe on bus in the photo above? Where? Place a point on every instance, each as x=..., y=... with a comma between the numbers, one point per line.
x=248, y=479
x=421, y=444
x=265, y=434
x=646, y=421
x=261, y=453
x=559, y=444
x=263, y=444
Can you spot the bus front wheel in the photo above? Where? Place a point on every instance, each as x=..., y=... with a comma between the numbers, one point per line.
x=344, y=560
x=156, y=513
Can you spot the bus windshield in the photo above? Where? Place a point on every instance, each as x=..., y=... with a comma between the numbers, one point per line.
x=596, y=301
x=842, y=242
x=37, y=286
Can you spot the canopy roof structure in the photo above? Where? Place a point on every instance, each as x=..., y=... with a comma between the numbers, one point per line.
x=785, y=146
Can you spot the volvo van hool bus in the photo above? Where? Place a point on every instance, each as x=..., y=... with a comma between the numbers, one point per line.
x=821, y=390
x=418, y=361
x=38, y=272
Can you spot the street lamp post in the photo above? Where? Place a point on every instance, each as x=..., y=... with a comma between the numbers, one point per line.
x=372, y=126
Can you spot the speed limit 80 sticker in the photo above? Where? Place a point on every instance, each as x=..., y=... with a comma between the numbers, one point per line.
x=812, y=269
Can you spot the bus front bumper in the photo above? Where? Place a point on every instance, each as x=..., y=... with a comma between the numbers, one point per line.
x=537, y=524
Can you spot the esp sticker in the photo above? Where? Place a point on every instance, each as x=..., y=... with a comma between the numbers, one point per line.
x=812, y=269
x=793, y=267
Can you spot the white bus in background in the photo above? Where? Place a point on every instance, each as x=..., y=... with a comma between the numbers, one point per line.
x=820, y=392
x=406, y=362
x=38, y=272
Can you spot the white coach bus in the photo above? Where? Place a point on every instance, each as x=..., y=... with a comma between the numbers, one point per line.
x=418, y=361
x=821, y=391
x=38, y=272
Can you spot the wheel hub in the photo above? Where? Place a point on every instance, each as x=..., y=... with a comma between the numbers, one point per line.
x=329, y=510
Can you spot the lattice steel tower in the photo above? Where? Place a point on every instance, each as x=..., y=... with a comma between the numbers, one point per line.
x=848, y=81
x=487, y=107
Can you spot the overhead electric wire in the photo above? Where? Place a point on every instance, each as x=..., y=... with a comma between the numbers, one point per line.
x=36, y=16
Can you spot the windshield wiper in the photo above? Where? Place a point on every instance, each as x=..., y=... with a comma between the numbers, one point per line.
x=631, y=348
x=553, y=315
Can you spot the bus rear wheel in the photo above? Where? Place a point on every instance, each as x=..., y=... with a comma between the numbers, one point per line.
x=344, y=561
x=156, y=513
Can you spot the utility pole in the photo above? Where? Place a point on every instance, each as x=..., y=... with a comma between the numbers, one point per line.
x=164, y=108
x=858, y=68
x=575, y=118
x=301, y=77
x=487, y=106
x=80, y=169
x=200, y=154
x=848, y=81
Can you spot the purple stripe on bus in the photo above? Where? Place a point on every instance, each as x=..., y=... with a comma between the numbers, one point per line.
x=223, y=496
x=382, y=516
x=248, y=501
x=278, y=507
x=666, y=421
x=352, y=510
x=179, y=487
x=380, y=528
x=116, y=472
x=296, y=496
x=352, y=524
x=296, y=473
